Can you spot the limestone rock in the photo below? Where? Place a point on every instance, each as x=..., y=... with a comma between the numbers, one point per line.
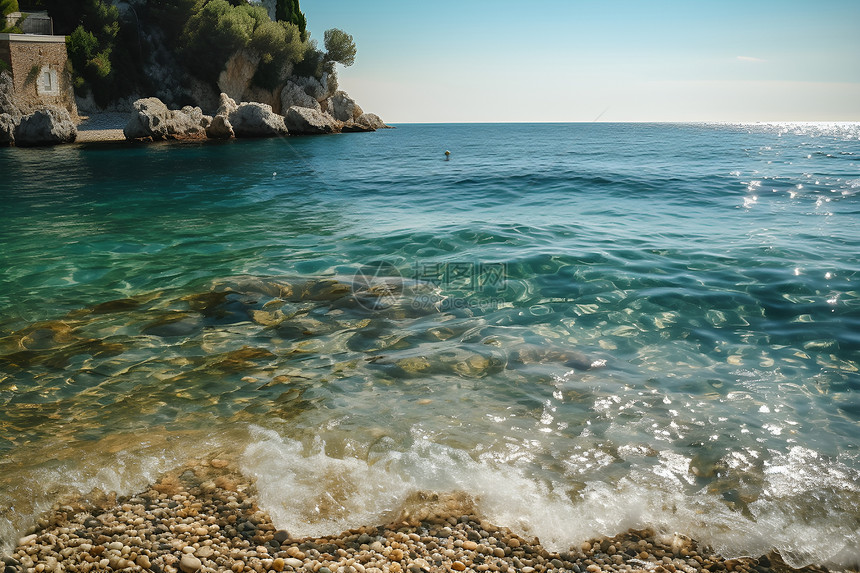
x=151, y=119
x=344, y=107
x=220, y=128
x=7, y=102
x=226, y=105
x=371, y=120
x=312, y=87
x=48, y=126
x=257, y=120
x=353, y=127
x=294, y=95
x=7, y=129
x=238, y=73
x=271, y=98
x=306, y=121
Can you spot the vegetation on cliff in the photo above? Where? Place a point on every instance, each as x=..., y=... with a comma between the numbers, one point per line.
x=114, y=47
x=7, y=7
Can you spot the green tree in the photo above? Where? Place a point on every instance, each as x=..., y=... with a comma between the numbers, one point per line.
x=92, y=48
x=312, y=61
x=214, y=34
x=170, y=16
x=279, y=45
x=289, y=11
x=340, y=47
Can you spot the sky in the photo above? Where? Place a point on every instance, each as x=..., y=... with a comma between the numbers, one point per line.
x=599, y=60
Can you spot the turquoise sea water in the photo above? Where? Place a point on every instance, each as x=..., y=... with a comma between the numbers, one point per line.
x=588, y=327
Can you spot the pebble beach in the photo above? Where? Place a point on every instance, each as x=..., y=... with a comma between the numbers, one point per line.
x=205, y=518
x=105, y=126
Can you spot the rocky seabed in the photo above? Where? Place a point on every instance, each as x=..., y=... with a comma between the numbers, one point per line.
x=205, y=518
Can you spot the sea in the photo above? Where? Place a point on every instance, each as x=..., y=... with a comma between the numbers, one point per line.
x=585, y=327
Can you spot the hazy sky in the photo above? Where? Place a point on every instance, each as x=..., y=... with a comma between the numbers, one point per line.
x=616, y=60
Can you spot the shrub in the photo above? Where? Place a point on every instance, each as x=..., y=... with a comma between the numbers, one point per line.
x=312, y=61
x=7, y=7
x=214, y=34
x=279, y=45
x=340, y=47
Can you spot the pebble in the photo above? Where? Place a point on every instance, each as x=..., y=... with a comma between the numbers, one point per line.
x=206, y=514
x=189, y=563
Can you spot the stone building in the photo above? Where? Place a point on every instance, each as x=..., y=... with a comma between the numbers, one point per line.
x=38, y=64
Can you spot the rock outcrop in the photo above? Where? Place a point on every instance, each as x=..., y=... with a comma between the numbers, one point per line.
x=256, y=120
x=238, y=73
x=7, y=101
x=7, y=129
x=294, y=95
x=353, y=127
x=344, y=108
x=371, y=120
x=49, y=126
x=220, y=128
x=226, y=105
x=307, y=121
x=152, y=120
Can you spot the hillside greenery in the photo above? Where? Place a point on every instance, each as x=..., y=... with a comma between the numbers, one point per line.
x=7, y=7
x=109, y=44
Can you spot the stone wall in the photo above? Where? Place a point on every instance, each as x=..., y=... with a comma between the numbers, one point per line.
x=39, y=71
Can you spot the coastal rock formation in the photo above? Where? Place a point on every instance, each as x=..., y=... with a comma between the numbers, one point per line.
x=220, y=128
x=313, y=87
x=256, y=120
x=371, y=120
x=7, y=129
x=238, y=73
x=295, y=95
x=7, y=101
x=353, y=127
x=306, y=121
x=344, y=108
x=226, y=105
x=151, y=119
x=49, y=126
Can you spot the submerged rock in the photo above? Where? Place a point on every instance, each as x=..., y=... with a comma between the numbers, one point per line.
x=49, y=126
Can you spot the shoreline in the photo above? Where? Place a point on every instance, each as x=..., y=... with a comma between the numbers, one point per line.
x=205, y=517
x=102, y=127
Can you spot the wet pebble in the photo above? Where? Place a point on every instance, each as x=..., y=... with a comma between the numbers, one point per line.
x=206, y=519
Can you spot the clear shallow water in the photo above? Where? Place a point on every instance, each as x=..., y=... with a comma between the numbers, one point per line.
x=589, y=327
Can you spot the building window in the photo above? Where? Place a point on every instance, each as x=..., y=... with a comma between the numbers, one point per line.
x=47, y=84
